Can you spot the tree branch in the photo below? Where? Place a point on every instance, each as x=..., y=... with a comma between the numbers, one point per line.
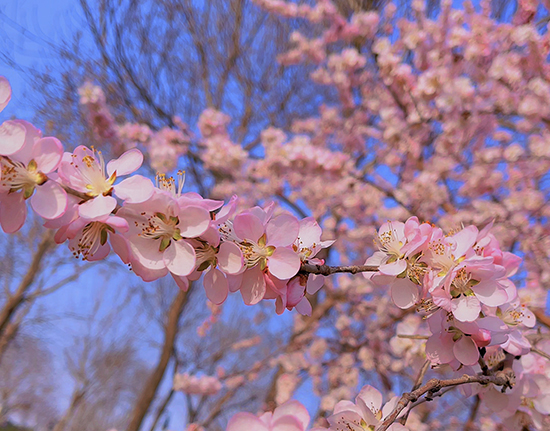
x=501, y=378
x=329, y=270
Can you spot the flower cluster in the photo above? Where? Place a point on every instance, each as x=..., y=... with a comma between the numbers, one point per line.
x=155, y=228
x=196, y=385
x=461, y=280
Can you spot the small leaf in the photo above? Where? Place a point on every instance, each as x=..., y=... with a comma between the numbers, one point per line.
x=104, y=236
x=164, y=244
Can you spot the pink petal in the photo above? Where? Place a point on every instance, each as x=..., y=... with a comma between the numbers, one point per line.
x=120, y=247
x=304, y=307
x=495, y=400
x=369, y=400
x=235, y=282
x=248, y=226
x=253, y=286
x=47, y=153
x=284, y=263
x=13, y=212
x=135, y=189
x=230, y=258
x=179, y=258
x=439, y=349
x=147, y=254
x=282, y=230
x=287, y=423
x=5, y=92
x=12, y=137
x=465, y=239
x=310, y=231
x=465, y=351
x=466, y=308
x=119, y=224
x=215, y=285
x=127, y=163
x=49, y=200
x=314, y=283
x=394, y=268
x=377, y=258
x=404, y=293
x=98, y=207
x=194, y=221
x=489, y=293
x=32, y=134
x=182, y=282
x=246, y=422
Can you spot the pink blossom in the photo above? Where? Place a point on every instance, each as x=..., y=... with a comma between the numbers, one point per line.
x=25, y=175
x=290, y=416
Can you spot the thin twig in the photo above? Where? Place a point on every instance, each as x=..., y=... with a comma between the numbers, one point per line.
x=328, y=270
x=503, y=378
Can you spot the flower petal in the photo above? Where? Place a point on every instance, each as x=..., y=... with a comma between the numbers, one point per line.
x=49, y=200
x=101, y=206
x=12, y=137
x=179, y=258
x=215, y=286
x=284, y=263
x=135, y=189
x=5, y=92
x=127, y=163
x=13, y=212
x=230, y=258
x=282, y=230
x=404, y=293
x=253, y=286
x=194, y=221
x=246, y=422
x=47, y=153
x=465, y=351
x=466, y=308
x=248, y=226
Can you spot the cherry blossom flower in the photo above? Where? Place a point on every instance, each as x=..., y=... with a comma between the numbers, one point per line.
x=290, y=416
x=25, y=175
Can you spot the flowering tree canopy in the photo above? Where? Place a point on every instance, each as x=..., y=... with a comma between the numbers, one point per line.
x=429, y=116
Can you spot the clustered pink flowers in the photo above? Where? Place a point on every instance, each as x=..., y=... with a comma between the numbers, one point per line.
x=156, y=229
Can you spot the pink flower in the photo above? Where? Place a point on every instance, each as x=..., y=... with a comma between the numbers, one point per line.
x=84, y=170
x=290, y=416
x=25, y=175
x=265, y=243
x=366, y=413
x=157, y=238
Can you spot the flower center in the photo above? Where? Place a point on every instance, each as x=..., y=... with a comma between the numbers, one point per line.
x=92, y=171
x=159, y=226
x=94, y=235
x=169, y=183
x=389, y=243
x=16, y=176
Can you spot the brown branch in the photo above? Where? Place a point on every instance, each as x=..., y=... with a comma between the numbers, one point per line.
x=151, y=386
x=329, y=270
x=469, y=425
x=502, y=378
x=540, y=352
x=14, y=302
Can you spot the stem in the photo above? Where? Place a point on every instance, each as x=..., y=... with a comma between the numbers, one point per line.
x=329, y=270
x=504, y=379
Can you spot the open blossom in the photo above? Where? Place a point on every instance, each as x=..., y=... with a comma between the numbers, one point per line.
x=307, y=245
x=290, y=416
x=158, y=233
x=365, y=414
x=25, y=175
x=265, y=243
x=85, y=171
